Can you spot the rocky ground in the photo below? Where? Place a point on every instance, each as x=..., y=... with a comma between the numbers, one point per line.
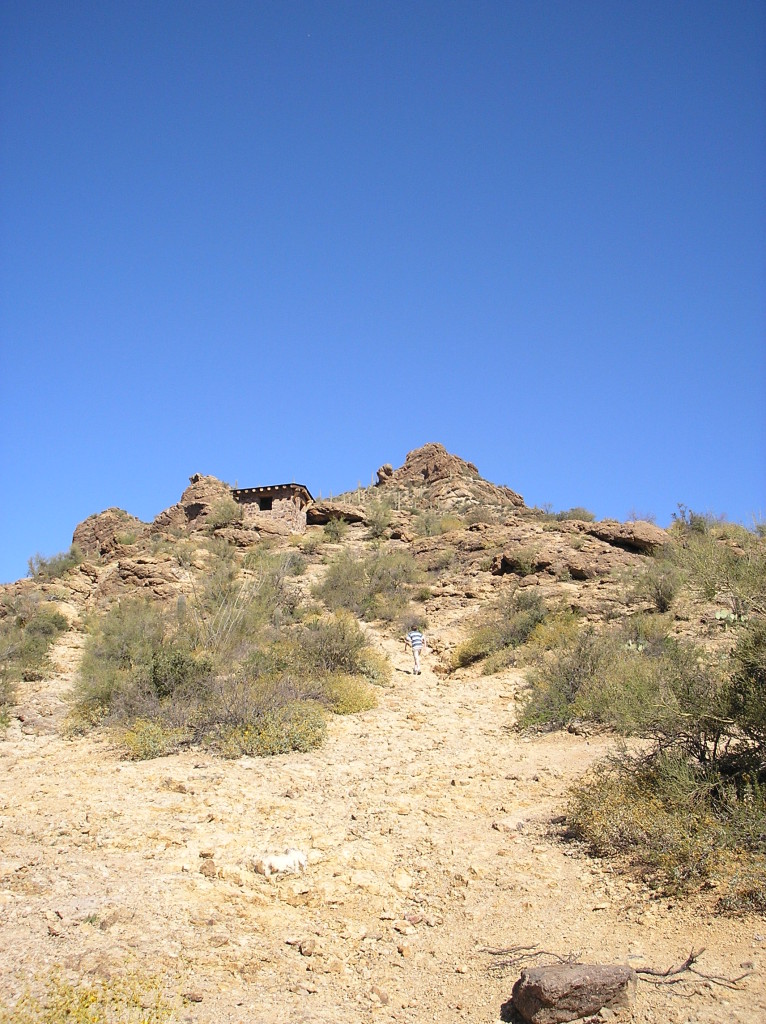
x=430, y=830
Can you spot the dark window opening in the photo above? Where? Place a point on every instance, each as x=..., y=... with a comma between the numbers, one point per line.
x=264, y=504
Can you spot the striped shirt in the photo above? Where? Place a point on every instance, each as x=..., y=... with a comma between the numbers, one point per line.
x=416, y=639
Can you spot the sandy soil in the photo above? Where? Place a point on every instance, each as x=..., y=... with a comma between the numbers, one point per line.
x=428, y=827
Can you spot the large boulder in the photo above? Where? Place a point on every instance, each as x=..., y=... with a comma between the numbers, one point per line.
x=107, y=532
x=568, y=992
x=640, y=536
x=321, y=512
x=197, y=502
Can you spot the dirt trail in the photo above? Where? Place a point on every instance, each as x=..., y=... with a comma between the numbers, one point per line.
x=427, y=826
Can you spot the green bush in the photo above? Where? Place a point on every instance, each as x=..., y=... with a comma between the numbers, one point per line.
x=579, y=513
x=42, y=568
x=375, y=587
x=148, y=738
x=225, y=512
x=746, y=692
x=346, y=694
x=723, y=562
x=378, y=518
x=504, y=628
x=335, y=530
x=136, y=658
x=658, y=815
x=431, y=524
x=27, y=631
x=311, y=543
x=334, y=644
x=298, y=725
x=659, y=582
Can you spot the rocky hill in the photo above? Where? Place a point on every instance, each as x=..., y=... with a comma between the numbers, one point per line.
x=436, y=867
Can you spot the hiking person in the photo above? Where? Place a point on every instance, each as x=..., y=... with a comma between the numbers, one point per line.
x=416, y=642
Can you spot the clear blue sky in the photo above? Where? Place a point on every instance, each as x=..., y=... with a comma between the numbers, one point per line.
x=294, y=240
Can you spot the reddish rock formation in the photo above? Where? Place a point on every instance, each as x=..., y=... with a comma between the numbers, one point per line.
x=440, y=479
x=106, y=532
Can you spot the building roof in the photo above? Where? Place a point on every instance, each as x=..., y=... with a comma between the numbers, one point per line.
x=272, y=490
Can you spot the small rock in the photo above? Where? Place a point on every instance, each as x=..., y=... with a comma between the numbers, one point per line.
x=401, y=880
x=404, y=928
x=380, y=994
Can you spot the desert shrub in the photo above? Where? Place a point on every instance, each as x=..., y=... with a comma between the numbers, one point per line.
x=128, y=999
x=238, y=665
x=430, y=524
x=27, y=631
x=346, y=694
x=480, y=514
x=746, y=690
x=333, y=644
x=42, y=568
x=378, y=518
x=147, y=738
x=635, y=679
x=556, y=683
x=659, y=582
x=722, y=562
x=297, y=725
x=375, y=667
x=579, y=513
x=229, y=605
x=311, y=543
x=440, y=560
x=225, y=512
x=135, y=658
x=692, y=805
x=377, y=586
x=522, y=561
x=335, y=530
x=558, y=629
x=505, y=627
x=659, y=815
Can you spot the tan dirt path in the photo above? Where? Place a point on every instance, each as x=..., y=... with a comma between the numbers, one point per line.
x=427, y=826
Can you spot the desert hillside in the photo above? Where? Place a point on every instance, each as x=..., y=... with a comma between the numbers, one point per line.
x=184, y=698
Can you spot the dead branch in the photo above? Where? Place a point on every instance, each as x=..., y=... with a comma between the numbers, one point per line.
x=673, y=975
x=516, y=955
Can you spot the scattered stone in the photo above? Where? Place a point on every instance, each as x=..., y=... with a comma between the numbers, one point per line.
x=380, y=994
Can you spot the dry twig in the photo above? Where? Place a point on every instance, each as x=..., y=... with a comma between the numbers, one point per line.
x=516, y=955
x=675, y=974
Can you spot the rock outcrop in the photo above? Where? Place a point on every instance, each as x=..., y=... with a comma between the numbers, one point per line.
x=323, y=511
x=645, y=538
x=438, y=479
x=105, y=533
x=196, y=504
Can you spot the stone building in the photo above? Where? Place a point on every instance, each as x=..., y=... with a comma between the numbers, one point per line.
x=284, y=503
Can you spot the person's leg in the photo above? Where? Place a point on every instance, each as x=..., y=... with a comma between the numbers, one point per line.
x=416, y=658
